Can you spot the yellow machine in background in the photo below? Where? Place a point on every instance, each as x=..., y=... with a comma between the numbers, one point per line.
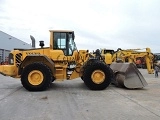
x=129, y=55
x=39, y=67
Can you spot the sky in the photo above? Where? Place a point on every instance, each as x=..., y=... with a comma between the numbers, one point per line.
x=110, y=24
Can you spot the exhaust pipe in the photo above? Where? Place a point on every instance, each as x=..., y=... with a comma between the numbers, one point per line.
x=33, y=41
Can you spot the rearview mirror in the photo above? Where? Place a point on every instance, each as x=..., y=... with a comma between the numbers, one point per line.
x=73, y=36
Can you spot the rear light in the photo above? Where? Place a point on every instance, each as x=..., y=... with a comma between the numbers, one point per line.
x=10, y=59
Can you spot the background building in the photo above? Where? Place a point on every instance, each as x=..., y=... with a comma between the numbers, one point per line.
x=8, y=43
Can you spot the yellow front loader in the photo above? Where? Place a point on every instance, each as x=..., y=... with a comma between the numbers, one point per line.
x=38, y=68
x=129, y=55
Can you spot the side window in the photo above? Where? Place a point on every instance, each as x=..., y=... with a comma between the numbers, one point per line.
x=64, y=41
x=60, y=40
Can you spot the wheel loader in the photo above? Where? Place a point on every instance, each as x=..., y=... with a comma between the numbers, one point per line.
x=37, y=68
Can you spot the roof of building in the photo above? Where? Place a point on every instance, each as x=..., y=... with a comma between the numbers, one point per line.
x=9, y=42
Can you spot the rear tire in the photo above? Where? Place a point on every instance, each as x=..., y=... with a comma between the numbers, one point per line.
x=97, y=75
x=36, y=77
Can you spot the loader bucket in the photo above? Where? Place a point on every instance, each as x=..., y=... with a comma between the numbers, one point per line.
x=127, y=75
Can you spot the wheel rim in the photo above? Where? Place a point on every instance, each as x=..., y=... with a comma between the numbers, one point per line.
x=98, y=76
x=35, y=77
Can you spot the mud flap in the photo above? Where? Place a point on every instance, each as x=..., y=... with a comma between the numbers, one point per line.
x=127, y=75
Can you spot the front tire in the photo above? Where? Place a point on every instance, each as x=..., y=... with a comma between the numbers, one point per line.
x=36, y=77
x=97, y=76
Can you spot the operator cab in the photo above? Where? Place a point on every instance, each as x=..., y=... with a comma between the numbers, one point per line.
x=64, y=41
x=105, y=51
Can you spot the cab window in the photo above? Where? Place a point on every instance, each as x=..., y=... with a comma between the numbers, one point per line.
x=60, y=40
x=64, y=41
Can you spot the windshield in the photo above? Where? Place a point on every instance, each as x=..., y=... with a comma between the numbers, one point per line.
x=72, y=45
x=108, y=51
x=64, y=41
